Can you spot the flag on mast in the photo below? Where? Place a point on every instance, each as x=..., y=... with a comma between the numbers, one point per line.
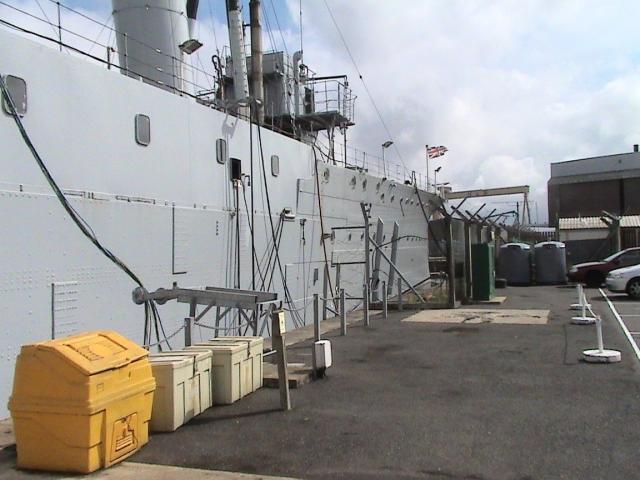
x=435, y=152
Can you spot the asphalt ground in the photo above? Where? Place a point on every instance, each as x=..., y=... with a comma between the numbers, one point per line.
x=439, y=401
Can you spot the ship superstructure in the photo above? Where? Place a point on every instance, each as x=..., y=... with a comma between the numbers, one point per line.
x=179, y=182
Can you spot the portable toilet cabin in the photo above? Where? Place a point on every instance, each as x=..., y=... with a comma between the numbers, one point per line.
x=514, y=263
x=551, y=262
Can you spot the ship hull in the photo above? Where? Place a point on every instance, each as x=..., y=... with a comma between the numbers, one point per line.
x=169, y=210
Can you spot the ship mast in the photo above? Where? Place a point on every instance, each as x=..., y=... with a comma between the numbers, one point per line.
x=236, y=40
x=256, y=61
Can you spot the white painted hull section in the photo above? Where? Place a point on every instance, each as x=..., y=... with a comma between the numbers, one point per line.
x=164, y=208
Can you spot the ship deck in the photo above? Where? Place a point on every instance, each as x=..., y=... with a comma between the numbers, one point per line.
x=429, y=400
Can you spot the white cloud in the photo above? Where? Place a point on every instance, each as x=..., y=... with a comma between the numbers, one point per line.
x=508, y=86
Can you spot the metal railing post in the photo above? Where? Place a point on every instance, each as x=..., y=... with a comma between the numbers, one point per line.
x=324, y=292
x=59, y=27
x=385, y=312
x=343, y=314
x=316, y=317
x=280, y=346
x=399, y=294
x=365, y=297
x=188, y=322
x=316, y=331
x=126, y=54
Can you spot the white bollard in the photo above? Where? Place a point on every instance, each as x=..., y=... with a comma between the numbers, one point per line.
x=600, y=354
x=583, y=319
x=581, y=298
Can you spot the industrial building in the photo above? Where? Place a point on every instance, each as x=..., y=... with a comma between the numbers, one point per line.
x=581, y=191
x=586, y=187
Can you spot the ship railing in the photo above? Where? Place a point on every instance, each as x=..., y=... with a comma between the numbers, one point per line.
x=183, y=79
x=332, y=95
x=357, y=159
x=187, y=79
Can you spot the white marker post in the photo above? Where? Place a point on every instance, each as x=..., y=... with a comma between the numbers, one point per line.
x=601, y=355
x=581, y=299
x=583, y=319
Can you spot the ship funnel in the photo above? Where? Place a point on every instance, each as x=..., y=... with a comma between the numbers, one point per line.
x=154, y=41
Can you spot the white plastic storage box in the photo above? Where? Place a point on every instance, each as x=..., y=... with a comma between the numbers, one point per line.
x=201, y=377
x=322, y=350
x=232, y=369
x=184, y=388
x=253, y=364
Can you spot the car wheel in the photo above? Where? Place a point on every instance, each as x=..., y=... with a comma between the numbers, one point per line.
x=594, y=279
x=633, y=288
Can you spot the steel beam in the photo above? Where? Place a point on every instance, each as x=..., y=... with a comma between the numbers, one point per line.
x=488, y=192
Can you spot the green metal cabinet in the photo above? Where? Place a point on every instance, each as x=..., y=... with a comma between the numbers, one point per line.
x=483, y=271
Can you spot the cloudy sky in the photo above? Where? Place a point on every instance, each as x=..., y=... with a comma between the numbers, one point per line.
x=507, y=85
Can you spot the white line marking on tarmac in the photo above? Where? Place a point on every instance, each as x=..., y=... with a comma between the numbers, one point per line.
x=622, y=325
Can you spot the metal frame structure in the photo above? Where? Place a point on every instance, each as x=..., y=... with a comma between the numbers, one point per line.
x=221, y=298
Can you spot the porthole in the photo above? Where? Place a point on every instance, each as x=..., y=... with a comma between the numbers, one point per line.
x=143, y=129
x=221, y=151
x=382, y=198
x=326, y=174
x=378, y=187
x=392, y=199
x=17, y=89
x=349, y=237
x=275, y=165
x=364, y=185
x=353, y=182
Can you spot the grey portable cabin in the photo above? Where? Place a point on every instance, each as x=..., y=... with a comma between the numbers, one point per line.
x=550, y=262
x=514, y=263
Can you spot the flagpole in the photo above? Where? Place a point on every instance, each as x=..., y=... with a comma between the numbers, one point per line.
x=426, y=151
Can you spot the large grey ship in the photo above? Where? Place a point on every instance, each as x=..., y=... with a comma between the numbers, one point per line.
x=119, y=168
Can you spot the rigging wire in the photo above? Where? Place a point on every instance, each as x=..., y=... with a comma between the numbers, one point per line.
x=272, y=40
x=213, y=26
x=364, y=84
x=253, y=250
x=288, y=296
x=324, y=245
x=275, y=14
x=105, y=25
x=80, y=222
x=53, y=28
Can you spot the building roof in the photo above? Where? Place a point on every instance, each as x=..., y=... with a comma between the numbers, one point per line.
x=594, y=223
x=605, y=164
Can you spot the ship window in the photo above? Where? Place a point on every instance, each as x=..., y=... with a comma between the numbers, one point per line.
x=221, y=150
x=275, y=165
x=17, y=88
x=236, y=169
x=143, y=130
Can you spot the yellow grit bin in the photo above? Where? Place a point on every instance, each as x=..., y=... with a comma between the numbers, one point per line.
x=81, y=403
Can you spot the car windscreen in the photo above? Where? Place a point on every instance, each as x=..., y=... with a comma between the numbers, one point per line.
x=610, y=257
